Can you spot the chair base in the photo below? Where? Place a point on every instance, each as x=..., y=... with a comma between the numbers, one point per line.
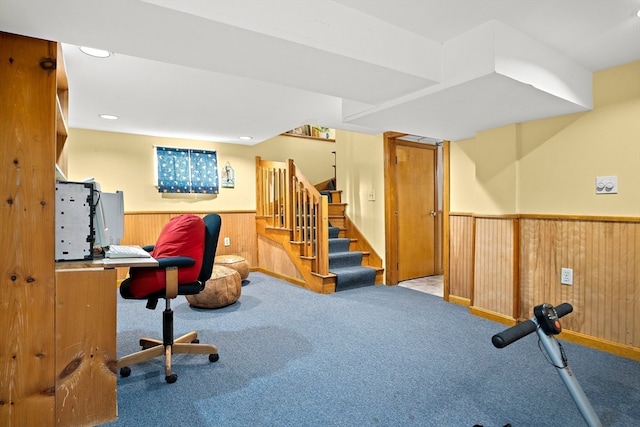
x=151, y=348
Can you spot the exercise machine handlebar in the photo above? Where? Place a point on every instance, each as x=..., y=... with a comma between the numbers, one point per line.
x=514, y=333
x=546, y=324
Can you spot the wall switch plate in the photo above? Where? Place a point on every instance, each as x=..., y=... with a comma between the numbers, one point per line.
x=227, y=241
x=607, y=185
x=566, y=276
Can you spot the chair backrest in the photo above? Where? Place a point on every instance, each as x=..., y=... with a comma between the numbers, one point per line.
x=212, y=225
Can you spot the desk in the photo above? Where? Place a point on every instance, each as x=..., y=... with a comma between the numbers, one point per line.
x=86, y=326
x=103, y=263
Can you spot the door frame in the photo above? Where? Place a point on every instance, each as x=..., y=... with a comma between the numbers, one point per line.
x=441, y=236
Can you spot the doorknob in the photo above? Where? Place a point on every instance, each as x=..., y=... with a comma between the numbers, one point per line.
x=432, y=213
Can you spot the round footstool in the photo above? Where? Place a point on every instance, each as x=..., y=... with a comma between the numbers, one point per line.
x=222, y=289
x=236, y=262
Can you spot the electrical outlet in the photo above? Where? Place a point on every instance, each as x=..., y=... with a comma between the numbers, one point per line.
x=227, y=241
x=566, y=276
x=371, y=196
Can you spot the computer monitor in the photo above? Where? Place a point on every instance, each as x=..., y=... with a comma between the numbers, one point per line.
x=113, y=213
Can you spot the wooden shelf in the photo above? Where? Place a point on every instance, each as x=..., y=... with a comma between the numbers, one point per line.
x=62, y=110
x=309, y=137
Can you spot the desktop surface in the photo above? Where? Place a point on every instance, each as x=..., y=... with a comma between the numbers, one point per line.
x=98, y=263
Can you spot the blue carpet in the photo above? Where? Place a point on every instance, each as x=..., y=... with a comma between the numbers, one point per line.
x=346, y=264
x=371, y=356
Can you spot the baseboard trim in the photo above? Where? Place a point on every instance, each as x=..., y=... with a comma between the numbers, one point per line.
x=618, y=349
x=491, y=315
x=465, y=302
x=283, y=277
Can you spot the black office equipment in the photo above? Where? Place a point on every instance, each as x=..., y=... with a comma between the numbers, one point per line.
x=74, y=221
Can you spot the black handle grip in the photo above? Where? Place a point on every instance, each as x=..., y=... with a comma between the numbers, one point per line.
x=513, y=334
x=563, y=309
x=523, y=329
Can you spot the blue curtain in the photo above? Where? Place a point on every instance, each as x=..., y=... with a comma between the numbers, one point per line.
x=182, y=170
x=204, y=171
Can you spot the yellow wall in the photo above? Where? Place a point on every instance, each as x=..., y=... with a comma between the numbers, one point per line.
x=483, y=172
x=314, y=157
x=360, y=161
x=125, y=162
x=550, y=166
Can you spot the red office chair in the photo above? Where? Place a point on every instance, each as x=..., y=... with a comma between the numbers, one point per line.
x=185, y=252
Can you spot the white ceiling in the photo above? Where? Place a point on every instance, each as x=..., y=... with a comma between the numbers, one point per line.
x=220, y=69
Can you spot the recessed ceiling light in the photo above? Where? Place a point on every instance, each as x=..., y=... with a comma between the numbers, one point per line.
x=638, y=13
x=109, y=116
x=246, y=138
x=98, y=53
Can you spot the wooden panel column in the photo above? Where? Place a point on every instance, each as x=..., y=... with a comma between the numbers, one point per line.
x=27, y=214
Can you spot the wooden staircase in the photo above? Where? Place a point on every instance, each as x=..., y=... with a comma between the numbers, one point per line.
x=292, y=222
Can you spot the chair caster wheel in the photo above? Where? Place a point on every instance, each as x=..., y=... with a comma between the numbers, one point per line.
x=214, y=357
x=171, y=378
x=125, y=371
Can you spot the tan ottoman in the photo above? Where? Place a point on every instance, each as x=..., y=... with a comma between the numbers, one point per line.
x=236, y=262
x=222, y=289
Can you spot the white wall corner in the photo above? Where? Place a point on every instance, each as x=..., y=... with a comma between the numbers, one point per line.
x=527, y=60
x=494, y=47
x=470, y=55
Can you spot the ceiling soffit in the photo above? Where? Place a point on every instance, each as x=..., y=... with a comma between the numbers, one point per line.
x=493, y=75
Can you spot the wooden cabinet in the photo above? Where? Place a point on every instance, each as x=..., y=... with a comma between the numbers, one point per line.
x=85, y=346
x=35, y=306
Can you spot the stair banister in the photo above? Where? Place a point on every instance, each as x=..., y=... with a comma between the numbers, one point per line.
x=271, y=192
x=312, y=219
x=289, y=201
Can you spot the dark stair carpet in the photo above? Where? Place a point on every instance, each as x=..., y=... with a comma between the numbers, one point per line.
x=327, y=192
x=346, y=264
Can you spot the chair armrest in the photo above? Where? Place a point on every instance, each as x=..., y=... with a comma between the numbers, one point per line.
x=170, y=265
x=175, y=261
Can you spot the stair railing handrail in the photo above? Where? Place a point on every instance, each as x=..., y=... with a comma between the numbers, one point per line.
x=286, y=198
x=272, y=192
x=311, y=220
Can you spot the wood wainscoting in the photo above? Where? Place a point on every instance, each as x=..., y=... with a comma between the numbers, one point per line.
x=505, y=265
x=604, y=254
x=143, y=228
x=461, y=243
x=495, y=283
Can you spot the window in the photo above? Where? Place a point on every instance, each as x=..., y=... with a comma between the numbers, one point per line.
x=182, y=170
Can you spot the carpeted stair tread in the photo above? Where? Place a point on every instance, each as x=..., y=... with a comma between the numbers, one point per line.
x=346, y=264
x=344, y=259
x=354, y=277
x=339, y=244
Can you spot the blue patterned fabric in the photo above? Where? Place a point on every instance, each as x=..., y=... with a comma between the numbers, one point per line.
x=182, y=170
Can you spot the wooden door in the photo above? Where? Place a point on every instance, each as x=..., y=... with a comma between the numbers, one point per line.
x=416, y=210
